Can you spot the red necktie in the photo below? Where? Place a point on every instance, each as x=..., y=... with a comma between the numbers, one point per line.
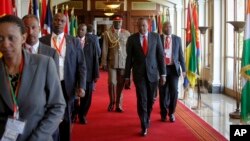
x=145, y=45
x=167, y=46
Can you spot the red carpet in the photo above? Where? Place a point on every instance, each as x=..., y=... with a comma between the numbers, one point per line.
x=111, y=126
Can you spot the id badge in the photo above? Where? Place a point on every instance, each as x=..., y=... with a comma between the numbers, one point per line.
x=61, y=61
x=167, y=53
x=13, y=128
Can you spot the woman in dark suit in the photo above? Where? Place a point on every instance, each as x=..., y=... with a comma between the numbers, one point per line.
x=30, y=89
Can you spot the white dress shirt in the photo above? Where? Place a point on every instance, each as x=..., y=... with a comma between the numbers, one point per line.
x=62, y=54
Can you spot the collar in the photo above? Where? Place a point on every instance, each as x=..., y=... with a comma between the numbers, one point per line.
x=34, y=47
x=170, y=36
x=146, y=34
x=58, y=36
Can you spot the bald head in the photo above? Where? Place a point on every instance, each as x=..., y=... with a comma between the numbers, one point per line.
x=59, y=22
x=167, y=28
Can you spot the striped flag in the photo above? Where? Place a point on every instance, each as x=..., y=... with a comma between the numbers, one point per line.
x=48, y=20
x=192, y=44
x=159, y=24
x=66, y=28
x=6, y=7
x=245, y=71
x=149, y=24
x=154, y=26
x=73, y=23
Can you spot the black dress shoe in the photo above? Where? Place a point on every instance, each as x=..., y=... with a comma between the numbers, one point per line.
x=83, y=121
x=163, y=119
x=119, y=110
x=172, y=118
x=144, y=131
x=110, y=107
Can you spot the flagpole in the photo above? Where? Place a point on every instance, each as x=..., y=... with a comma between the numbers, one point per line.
x=238, y=27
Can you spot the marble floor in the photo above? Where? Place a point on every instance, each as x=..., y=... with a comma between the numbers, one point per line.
x=214, y=109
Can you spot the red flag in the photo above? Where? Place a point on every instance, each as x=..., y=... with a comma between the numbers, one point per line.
x=43, y=14
x=66, y=28
x=6, y=7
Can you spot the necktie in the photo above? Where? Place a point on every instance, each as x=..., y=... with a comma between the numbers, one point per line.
x=29, y=47
x=145, y=45
x=167, y=46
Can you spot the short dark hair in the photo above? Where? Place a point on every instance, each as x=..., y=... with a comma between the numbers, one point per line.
x=90, y=28
x=13, y=19
x=142, y=19
x=30, y=16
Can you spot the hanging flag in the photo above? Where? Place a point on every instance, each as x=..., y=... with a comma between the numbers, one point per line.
x=245, y=71
x=48, y=20
x=66, y=28
x=154, y=28
x=73, y=23
x=159, y=24
x=192, y=43
x=149, y=24
x=6, y=7
x=43, y=12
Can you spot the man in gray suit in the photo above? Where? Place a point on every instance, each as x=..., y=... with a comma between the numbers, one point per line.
x=72, y=68
x=173, y=61
x=32, y=44
x=145, y=58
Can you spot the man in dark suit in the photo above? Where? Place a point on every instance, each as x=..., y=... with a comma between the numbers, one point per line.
x=32, y=44
x=90, y=48
x=145, y=58
x=72, y=68
x=173, y=61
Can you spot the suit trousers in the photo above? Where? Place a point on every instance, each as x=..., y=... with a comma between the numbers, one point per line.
x=145, y=91
x=86, y=101
x=169, y=92
x=64, y=127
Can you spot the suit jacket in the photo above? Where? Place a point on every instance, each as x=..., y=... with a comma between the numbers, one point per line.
x=177, y=53
x=96, y=41
x=74, y=65
x=40, y=99
x=48, y=51
x=145, y=66
x=112, y=51
x=90, y=49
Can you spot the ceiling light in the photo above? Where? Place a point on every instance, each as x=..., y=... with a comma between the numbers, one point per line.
x=112, y=4
x=109, y=13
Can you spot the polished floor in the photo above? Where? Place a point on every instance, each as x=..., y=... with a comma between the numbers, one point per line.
x=214, y=109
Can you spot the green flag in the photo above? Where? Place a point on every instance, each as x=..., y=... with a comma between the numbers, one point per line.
x=245, y=71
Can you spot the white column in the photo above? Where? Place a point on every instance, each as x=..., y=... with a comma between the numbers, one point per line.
x=179, y=20
x=216, y=65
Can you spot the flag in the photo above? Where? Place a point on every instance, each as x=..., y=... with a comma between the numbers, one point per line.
x=149, y=24
x=159, y=24
x=73, y=23
x=192, y=44
x=66, y=28
x=245, y=71
x=154, y=26
x=48, y=20
x=43, y=7
x=6, y=7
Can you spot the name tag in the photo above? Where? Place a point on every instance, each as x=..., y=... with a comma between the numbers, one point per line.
x=61, y=62
x=167, y=53
x=13, y=129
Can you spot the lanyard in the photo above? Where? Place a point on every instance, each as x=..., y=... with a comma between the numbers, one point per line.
x=59, y=49
x=15, y=94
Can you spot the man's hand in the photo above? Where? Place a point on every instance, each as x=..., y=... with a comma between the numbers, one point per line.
x=127, y=84
x=162, y=80
x=80, y=92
